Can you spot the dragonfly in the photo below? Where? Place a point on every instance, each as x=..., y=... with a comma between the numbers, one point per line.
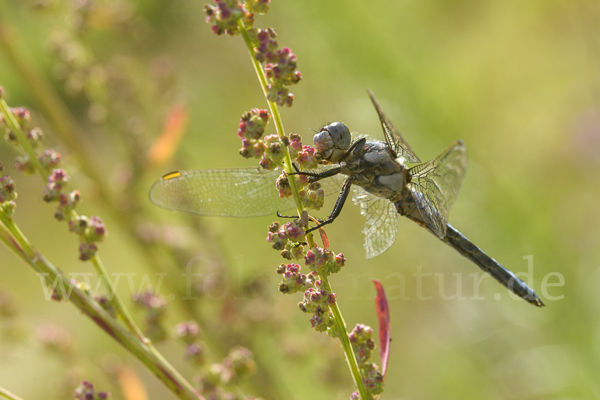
x=377, y=174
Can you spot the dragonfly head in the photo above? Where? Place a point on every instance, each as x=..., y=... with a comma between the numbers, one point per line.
x=332, y=141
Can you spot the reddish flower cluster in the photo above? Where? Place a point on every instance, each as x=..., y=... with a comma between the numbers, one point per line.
x=90, y=230
x=155, y=307
x=195, y=353
x=50, y=159
x=287, y=237
x=318, y=301
x=324, y=261
x=363, y=345
x=225, y=15
x=34, y=137
x=293, y=281
x=21, y=114
x=311, y=194
x=274, y=153
x=307, y=158
x=238, y=365
x=283, y=185
x=57, y=180
x=280, y=66
x=295, y=145
x=7, y=193
x=253, y=124
x=361, y=341
x=252, y=127
x=86, y=391
x=189, y=332
x=257, y=6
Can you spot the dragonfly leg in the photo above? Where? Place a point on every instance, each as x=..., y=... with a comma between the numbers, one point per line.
x=296, y=217
x=286, y=216
x=320, y=175
x=339, y=204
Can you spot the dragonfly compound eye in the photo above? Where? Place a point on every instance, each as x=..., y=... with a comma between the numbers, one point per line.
x=332, y=140
x=340, y=135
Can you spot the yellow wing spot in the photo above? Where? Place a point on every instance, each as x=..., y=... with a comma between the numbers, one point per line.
x=171, y=175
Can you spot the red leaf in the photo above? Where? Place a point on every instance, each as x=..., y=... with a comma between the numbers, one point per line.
x=383, y=315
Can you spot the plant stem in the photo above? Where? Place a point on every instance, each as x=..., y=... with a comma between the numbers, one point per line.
x=116, y=300
x=262, y=78
x=16, y=241
x=68, y=130
x=8, y=395
x=28, y=148
x=339, y=320
x=345, y=341
x=80, y=299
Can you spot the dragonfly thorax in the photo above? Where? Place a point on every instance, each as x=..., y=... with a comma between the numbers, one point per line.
x=376, y=170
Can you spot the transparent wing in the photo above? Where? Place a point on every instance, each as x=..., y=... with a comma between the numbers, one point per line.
x=435, y=186
x=381, y=226
x=392, y=135
x=244, y=192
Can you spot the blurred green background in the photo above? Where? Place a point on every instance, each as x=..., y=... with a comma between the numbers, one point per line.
x=518, y=81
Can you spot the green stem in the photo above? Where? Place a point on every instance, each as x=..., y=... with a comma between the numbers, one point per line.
x=116, y=300
x=140, y=349
x=339, y=320
x=17, y=242
x=10, y=396
x=28, y=148
x=14, y=234
x=68, y=130
x=262, y=78
x=343, y=335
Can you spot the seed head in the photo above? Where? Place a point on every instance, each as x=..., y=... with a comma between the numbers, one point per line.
x=50, y=159
x=107, y=305
x=85, y=391
x=195, y=354
x=24, y=165
x=283, y=185
x=307, y=158
x=7, y=189
x=295, y=145
x=257, y=6
x=87, y=251
x=188, y=331
x=253, y=123
x=238, y=364
x=22, y=115
x=224, y=16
